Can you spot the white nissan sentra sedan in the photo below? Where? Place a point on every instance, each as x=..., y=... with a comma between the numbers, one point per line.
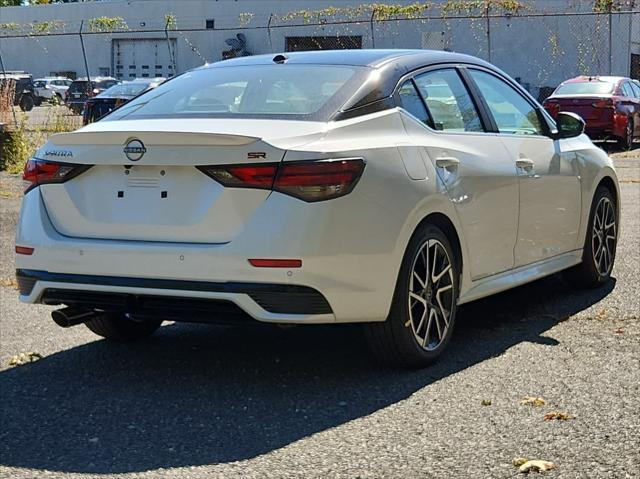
x=385, y=187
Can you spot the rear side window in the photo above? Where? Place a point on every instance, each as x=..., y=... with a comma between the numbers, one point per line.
x=412, y=102
x=627, y=90
x=511, y=111
x=448, y=101
x=636, y=89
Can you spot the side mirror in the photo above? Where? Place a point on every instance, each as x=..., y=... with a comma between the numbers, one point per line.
x=569, y=125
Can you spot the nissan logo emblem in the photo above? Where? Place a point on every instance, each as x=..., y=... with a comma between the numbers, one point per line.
x=134, y=150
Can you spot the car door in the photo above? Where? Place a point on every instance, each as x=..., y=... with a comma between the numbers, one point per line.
x=480, y=179
x=550, y=189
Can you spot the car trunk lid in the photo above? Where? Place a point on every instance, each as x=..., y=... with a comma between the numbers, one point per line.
x=156, y=193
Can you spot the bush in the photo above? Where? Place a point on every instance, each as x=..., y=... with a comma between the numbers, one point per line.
x=18, y=146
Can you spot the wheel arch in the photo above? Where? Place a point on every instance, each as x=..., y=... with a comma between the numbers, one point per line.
x=609, y=184
x=443, y=222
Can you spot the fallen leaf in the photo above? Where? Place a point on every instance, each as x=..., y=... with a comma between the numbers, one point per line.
x=486, y=402
x=558, y=416
x=24, y=358
x=519, y=461
x=536, y=466
x=533, y=401
x=619, y=331
x=9, y=283
x=602, y=314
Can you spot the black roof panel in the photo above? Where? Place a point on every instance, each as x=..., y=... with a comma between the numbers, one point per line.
x=371, y=58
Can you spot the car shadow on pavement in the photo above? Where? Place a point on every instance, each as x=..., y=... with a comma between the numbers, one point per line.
x=196, y=395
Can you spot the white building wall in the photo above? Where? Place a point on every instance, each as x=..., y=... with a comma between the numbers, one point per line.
x=541, y=51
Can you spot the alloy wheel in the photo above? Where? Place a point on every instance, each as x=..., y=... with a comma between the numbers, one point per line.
x=430, y=295
x=603, y=236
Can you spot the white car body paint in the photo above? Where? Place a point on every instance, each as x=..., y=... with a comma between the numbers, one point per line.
x=512, y=227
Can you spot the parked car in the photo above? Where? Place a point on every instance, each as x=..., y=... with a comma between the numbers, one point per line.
x=116, y=96
x=51, y=88
x=610, y=106
x=354, y=198
x=24, y=95
x=82, y=89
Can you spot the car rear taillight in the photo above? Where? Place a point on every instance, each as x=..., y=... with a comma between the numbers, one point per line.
x=307, y=180
x=40, y=172
x=552, y=107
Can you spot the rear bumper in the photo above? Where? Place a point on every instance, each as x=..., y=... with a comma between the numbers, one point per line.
x=177, y=300
x=343, y=277
x=598, y=130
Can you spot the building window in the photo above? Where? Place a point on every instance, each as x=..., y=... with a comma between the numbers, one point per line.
x=210, y=23
x=295, y=44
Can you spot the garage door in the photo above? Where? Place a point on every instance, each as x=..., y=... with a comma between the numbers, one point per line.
x=142, y=58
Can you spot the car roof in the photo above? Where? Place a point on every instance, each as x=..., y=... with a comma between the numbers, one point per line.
x=583, y=78
x=95, y=79
x=367, y=58
x=390, y=66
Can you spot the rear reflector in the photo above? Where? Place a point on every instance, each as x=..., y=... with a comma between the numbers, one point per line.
x=40, y=172
x=306, y=180
x=24, y=250
x=276, y=263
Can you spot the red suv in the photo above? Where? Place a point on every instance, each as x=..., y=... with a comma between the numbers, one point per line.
x=610, y=106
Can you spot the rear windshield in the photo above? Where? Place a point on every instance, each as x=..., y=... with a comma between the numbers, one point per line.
x=585, y=88
x=78, y=86
x=126, y=90
x=301, y=92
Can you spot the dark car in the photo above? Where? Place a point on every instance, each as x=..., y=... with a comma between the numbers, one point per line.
x=110, y=99
x=610, y=106
x=82, y=89
x=24, y=96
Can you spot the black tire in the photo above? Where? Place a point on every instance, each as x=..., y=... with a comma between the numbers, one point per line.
x=394, y=341
x=589, y=273
x=26, y=103
x=117, y=327
x=626, y=143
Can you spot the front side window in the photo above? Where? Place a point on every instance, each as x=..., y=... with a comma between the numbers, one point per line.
x=511, y=111
x=304, y=92
x=412, y=102
x=448, y=101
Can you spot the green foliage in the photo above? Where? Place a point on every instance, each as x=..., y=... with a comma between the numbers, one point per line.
x=10, y=26
x=386, y=11
x=107, y=24
x=245, y=18
x=47, y=26
x=606, y=6
x=16, y=150
x=375, y=11
x=483, y=6
x=171, y=21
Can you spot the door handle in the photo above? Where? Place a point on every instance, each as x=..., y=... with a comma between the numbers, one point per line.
x=447, y=162
x=525, y=164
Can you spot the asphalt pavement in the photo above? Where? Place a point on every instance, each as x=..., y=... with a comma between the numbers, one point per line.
x=198, y=401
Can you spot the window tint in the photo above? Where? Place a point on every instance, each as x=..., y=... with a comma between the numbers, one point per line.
x=511, y=111
x=291, y=91
x=636, y=89
x=448, y=101
x=412, y=103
